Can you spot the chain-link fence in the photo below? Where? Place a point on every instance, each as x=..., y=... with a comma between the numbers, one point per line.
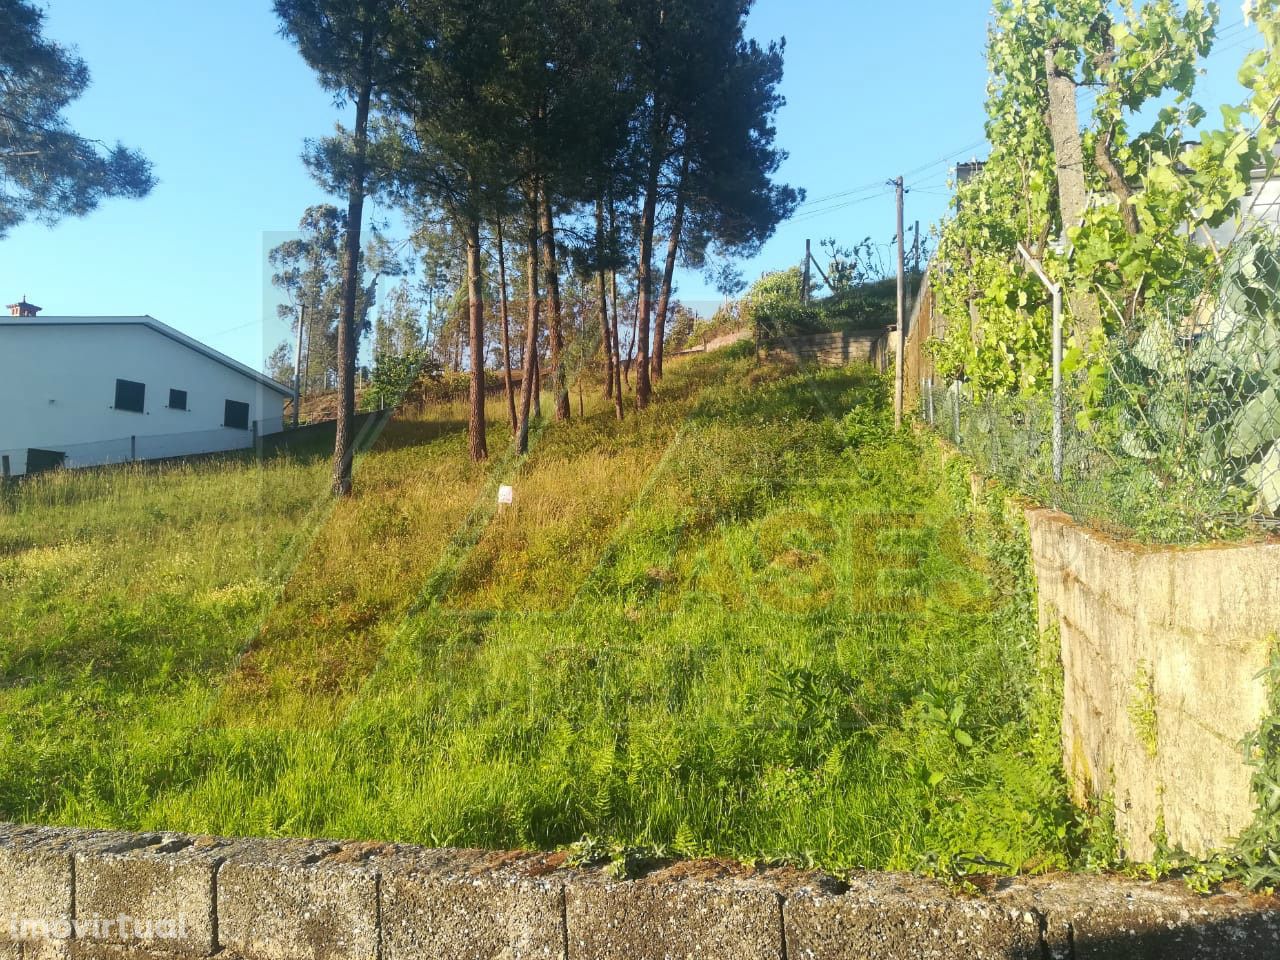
x=1173, y=436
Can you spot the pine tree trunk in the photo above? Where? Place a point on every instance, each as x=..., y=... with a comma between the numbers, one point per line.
x=644, y=274
x=306, y=363
x=530, y=332
x=604, y=302
x=475, y=302
x=631, y=347
x=551, y=267
x=537, y=385
x=607, y=336
x=344, y=434
x=668, y=271
x=506, y=332
x=617, y=350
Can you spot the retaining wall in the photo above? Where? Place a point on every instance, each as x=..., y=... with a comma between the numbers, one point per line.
x=319, y=900
x=1161, y=651
x=836, y=349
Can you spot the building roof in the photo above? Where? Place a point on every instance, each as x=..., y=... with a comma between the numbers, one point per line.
x=161, y=328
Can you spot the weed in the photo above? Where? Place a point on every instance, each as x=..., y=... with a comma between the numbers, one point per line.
x=1142, y=709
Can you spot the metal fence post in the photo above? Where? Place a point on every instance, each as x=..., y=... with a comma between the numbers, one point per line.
x=955, y=412
x=1056, y=291
x=900, y=347
x=4, y=465
x=133, y=447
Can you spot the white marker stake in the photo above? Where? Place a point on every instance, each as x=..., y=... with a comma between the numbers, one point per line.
x=505, y=494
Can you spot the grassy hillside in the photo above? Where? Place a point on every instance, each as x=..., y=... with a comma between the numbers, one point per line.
x=751, y=622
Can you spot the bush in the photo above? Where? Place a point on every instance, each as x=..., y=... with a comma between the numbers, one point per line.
x=773, y=305
x=393, y=378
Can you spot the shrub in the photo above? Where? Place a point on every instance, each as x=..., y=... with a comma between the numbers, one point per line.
x=773, y=305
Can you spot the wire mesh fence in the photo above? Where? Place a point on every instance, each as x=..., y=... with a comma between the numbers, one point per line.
x=138, y=447
x=1174, y=436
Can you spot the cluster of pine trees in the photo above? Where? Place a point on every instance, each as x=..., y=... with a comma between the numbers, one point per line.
x=564, y=142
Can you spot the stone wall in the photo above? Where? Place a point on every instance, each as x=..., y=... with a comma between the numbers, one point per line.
x=102, y=894
x=1161, y=651
x=836, y=349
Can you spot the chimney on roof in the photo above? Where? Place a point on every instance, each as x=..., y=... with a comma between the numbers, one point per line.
x=967, y=171
x=23, y=309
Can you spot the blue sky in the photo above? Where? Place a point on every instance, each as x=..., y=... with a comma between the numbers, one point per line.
x=221, y=105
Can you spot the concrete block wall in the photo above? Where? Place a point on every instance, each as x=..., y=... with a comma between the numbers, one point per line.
x=836, y=349
x=107, y=895
x=1161, y=653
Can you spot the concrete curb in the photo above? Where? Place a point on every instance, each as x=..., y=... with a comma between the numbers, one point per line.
x=176, y=896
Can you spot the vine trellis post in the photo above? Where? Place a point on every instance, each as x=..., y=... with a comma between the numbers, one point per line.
x=1055, y=290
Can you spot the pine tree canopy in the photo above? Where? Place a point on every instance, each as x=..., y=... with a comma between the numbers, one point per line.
x=47, y=170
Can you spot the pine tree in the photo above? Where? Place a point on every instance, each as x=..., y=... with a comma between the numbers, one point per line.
x=47, y=170
x=351, y=46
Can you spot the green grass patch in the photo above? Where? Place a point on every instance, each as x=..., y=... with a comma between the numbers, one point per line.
x=751, y=622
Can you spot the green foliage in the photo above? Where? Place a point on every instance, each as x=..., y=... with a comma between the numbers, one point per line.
x=47, y=170
x=433, y=384
x=1143, y=55
x=308, y=272
x=866, y=306
x=852, y=267
x=1256, y=859
x=1170, y=368
x=393, y=377
x=1142, y=710
x=772, y=305
x=726, y=319
x=621, y=861
x=1205, y=409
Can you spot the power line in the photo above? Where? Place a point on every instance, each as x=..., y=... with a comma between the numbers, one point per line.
x=874, y=185
x=1239, y=32
x=946, y=157
x=816, y=214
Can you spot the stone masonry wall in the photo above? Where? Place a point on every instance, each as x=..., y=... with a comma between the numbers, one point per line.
x=836, y=349
x=1161, y=651
x=88, y=894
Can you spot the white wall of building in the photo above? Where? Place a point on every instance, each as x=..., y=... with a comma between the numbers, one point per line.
x=1261, y=206
x=58, y=384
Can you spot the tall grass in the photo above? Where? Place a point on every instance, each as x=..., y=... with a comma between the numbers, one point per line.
x=751, y=622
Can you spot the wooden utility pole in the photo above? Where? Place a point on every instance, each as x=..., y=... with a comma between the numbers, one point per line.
x=297, y=364
x=902, y=311
x=808, y=258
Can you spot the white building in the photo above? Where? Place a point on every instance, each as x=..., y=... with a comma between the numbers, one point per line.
x=1261, y=206
x=82, y=391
